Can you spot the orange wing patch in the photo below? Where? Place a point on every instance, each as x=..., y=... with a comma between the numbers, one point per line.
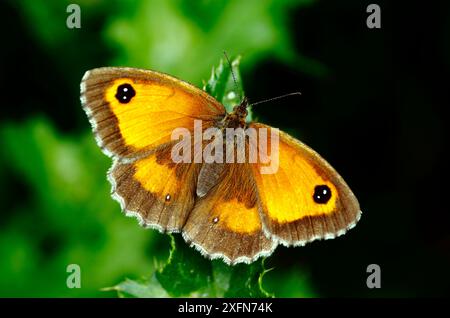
x=225, y=223
x=297, y=179
x=126, y=125
x=237, y=216
x=156, y=190
x=305, y=199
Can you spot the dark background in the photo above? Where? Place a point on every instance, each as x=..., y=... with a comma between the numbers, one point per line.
x=373, y=104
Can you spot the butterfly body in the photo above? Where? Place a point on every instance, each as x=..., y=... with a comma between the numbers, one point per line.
x=237, y=117
x=237, y=208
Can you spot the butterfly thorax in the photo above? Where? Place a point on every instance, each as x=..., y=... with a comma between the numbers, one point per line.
x=237, y=117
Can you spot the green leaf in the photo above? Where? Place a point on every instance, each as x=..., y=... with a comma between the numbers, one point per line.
x=186, y=271
x=246, y=281
x=136, y=289
x=225, y=84
x=221, y=84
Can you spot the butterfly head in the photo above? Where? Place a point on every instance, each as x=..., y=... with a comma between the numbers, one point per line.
x=241, y=109
x=237, y=117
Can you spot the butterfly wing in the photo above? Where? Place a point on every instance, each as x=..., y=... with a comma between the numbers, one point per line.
x=225, y=222
x=305, y=198
x=136, y=132
x=159, y=192
x=134, y=111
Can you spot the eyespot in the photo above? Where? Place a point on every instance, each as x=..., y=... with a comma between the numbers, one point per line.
x=125, y=93
x=322, y=194
x=167, y=197
x=215, y=220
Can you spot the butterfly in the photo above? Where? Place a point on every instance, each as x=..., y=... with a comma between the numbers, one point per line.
x=227, y=210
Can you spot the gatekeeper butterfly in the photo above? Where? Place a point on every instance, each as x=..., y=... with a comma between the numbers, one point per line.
x=230, y=210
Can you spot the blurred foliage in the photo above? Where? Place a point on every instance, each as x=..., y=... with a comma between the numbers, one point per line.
x=179, y=37
x=199, y=30
x=65, y=216
x=56, y=204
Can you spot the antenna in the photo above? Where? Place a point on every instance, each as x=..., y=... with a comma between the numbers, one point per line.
x=232, y=74
x=238, y=92
x=274, y=98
